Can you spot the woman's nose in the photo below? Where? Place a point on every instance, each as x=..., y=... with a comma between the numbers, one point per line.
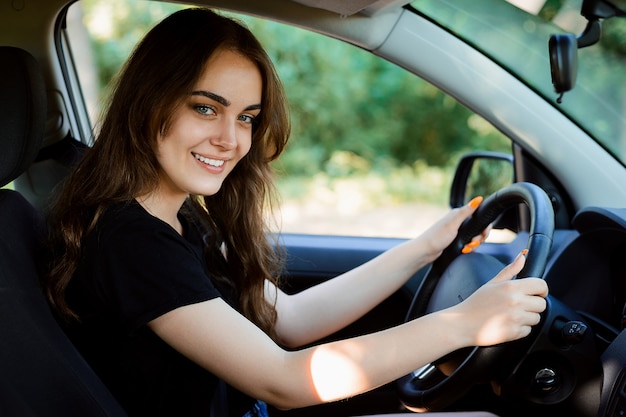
x=227, y=136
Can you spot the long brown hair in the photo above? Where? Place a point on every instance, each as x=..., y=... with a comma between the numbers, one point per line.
x=122, y=163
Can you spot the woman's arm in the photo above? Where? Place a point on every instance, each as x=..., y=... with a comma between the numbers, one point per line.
x=325, y=308
x=225, y=343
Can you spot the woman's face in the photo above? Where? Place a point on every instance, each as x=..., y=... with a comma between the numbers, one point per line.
x=212, y=130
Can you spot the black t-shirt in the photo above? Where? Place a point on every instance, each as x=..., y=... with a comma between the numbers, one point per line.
x=134, y=268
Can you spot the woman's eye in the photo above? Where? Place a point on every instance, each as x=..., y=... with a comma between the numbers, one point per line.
x=204, y=109
x=246, y=118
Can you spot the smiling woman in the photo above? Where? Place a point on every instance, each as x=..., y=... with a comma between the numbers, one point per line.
x=210, y=130
x=157, y=152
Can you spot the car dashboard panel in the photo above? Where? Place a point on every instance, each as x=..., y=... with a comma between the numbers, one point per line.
x=590, y=273
x=590, y=276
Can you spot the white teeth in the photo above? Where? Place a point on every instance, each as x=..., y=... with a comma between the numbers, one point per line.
x=208, y=161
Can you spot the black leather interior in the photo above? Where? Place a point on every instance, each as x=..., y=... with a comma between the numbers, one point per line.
x=41, y=373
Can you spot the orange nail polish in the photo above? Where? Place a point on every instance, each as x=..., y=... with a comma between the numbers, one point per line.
x=524, y=252
x=470, y=246
x=475, y=202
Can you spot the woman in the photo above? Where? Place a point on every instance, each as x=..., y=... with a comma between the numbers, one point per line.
x=163, y=271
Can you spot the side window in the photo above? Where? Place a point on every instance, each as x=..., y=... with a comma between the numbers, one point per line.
x=373, y=147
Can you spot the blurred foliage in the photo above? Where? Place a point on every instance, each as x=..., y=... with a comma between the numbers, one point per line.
x=380, y=114
x=116, y=26
x=382, y=122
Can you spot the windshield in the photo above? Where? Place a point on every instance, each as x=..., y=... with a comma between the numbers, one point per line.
x=516, y=36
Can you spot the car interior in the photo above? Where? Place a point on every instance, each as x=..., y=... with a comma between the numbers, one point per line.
x=43, y=374
x=570, y=215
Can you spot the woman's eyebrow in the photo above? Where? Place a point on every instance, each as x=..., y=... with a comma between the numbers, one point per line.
x=212, y=96
x=253, y=107
x=223, y=101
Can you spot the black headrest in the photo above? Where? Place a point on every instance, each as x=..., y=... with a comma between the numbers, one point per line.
x=22, y=111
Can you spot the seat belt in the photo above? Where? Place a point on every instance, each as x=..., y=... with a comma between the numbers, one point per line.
x=219, y=403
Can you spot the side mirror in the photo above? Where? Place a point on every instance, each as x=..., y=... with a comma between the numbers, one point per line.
x=484, y=173
x=480, y=173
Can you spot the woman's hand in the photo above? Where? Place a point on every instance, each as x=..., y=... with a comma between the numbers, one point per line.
x=503, y=309
x=443, y=232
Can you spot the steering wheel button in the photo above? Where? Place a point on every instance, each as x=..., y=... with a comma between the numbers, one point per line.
x=573, y=331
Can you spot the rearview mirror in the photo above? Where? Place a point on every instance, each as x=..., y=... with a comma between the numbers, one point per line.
x=563, y=47
x=563, y=62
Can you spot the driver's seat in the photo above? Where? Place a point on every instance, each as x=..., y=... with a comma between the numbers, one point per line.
x=41, y=373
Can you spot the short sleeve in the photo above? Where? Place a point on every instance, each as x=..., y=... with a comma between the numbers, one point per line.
x=142, y=269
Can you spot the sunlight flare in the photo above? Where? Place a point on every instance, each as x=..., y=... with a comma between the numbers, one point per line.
x=335, y=372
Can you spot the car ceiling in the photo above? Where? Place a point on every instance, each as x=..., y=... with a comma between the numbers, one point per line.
x=364, y=23
x=350, y=7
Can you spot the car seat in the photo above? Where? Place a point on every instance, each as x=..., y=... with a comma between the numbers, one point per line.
x=41, y=372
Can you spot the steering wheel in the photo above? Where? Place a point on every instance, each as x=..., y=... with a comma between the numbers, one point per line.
x=452, y=278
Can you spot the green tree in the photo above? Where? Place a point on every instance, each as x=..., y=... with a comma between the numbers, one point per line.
x=115, y=27
x=384, y=114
